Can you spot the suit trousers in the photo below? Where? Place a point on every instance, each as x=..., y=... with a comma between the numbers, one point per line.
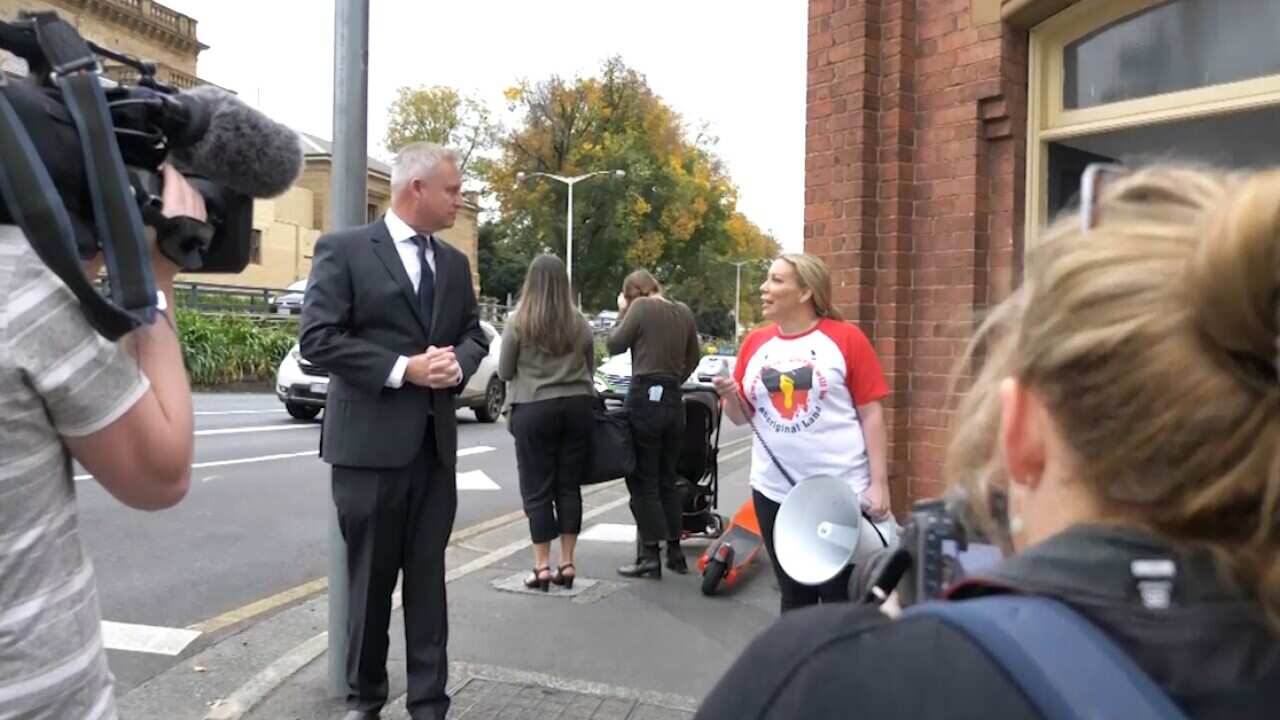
x=657, y=428
x=392, y=520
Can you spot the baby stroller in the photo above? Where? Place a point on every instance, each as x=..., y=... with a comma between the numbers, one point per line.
x=697, y=470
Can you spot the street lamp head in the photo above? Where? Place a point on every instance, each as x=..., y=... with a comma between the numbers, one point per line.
x=620, y=173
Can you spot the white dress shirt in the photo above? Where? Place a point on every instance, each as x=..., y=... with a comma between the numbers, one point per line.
x=403, y=237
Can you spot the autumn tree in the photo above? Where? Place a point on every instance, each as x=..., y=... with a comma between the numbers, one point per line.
x=675, y=213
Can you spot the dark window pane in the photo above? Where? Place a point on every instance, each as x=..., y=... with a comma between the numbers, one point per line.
x=1174, y=46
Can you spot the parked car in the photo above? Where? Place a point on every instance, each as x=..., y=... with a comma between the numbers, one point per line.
x=614, y=375
x=709, y=365
x=605, y=320
x=290, y=301
x=303, y=387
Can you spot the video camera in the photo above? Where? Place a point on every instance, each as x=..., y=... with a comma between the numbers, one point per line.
x=80, y=160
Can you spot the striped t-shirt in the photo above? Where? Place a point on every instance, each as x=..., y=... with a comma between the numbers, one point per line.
x=58, y=378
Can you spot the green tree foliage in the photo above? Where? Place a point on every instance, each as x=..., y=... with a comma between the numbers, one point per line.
x=441, y=115
x=675, y=213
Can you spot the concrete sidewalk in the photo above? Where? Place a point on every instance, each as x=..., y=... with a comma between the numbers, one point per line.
x=611, y=648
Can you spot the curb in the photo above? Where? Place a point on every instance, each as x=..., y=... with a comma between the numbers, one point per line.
x=240, y=702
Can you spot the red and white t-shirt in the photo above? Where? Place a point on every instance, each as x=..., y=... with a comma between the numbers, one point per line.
x=805, y=390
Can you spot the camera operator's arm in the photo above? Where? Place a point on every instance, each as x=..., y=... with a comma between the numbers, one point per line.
x=143, y=458
x=325, y=337
x=877, y=440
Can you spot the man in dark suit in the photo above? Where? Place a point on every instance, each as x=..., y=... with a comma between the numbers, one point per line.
x=391, y=314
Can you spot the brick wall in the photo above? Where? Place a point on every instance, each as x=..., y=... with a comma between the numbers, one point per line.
x=915, y=145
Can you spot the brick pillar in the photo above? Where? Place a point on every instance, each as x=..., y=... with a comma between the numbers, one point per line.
x=915, y=149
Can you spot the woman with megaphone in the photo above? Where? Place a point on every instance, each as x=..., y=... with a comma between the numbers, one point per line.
x=1121, y=439
x=810, y=384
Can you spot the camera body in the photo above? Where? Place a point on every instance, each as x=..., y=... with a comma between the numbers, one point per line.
x=935, y=550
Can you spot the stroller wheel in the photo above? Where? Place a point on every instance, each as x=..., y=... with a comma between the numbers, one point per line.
x=715, y=526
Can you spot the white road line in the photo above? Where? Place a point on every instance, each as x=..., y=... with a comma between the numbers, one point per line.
x=238, y=461
x=146, y=638
x=260, y=428
x=476, y=480
x=263, y=411
x=610, y=532
x=479, y=479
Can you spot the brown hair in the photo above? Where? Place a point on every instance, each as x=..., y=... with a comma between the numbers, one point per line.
x=1152, y=338
x=546, y=317
x=812, y=275
x=640, y=283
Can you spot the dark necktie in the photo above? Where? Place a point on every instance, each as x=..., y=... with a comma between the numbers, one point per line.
x=427, y=283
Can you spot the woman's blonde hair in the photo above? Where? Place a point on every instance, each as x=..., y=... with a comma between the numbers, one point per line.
x=1152, y=338
x=812, y=275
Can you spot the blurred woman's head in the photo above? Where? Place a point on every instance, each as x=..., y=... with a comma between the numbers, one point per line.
x=797, y=288
x=1132, y=377
x=640, y=283
x=546, y=316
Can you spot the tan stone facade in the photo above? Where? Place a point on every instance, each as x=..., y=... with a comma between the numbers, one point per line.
x=286, y=228
x=142, y=28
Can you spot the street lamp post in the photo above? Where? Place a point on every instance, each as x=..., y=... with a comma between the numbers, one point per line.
x=737, y=287
x=570, y=182
x=737, y=297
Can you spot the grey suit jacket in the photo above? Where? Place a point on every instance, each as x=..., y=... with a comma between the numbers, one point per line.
x=359, y=315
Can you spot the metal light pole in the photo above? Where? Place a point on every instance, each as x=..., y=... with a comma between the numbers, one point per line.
x=570, y=182
x=349, y=190
x=737, y=296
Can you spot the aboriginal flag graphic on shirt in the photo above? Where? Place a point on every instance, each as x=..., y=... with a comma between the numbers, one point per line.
x=789, y=390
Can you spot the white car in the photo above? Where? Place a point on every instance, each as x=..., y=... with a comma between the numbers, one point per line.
x=290, y=301
x=303, y=387
x=614, y=375
x=710, y=365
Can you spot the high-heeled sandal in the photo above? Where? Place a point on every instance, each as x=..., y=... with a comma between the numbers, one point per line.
x=539, y=579
x=564, y=579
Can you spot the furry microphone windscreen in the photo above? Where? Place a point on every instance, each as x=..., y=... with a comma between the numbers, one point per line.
x=242, y=149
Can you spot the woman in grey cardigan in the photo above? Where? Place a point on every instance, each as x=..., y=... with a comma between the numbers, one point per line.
x=547, y=359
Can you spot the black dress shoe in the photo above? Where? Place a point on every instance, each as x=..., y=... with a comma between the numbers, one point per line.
x=649, y=567
x=361, y=715
x=676, y=561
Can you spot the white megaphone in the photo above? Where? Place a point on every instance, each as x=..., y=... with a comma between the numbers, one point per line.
x=820, y=530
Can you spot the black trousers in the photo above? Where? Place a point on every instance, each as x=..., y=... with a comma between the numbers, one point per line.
x=795, y=594
x=658, y=431
x=394, y=519
x=552, y=439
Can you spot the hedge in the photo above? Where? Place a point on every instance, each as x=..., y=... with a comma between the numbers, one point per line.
x=222, y=349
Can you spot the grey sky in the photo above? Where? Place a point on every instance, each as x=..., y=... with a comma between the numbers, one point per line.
x=739, y=66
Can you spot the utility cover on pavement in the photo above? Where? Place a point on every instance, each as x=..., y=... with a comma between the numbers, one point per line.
x=483, y=699
x=515, y=583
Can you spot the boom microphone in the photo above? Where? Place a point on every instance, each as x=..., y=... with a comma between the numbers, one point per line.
x=242, y=148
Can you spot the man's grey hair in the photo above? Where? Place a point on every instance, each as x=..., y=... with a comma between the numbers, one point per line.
x=417, y=160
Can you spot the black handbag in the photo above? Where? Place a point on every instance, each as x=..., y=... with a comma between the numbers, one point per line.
x=612, y=452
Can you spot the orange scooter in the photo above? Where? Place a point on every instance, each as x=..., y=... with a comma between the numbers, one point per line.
x=725, y=561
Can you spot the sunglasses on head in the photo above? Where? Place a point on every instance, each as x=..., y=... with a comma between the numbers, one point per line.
x=1091, y=183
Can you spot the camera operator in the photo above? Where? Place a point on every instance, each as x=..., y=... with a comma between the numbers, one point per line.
x=123, y=410
x=1126, y=407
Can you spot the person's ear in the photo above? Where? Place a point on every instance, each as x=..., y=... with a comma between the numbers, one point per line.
x=1023, y=435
